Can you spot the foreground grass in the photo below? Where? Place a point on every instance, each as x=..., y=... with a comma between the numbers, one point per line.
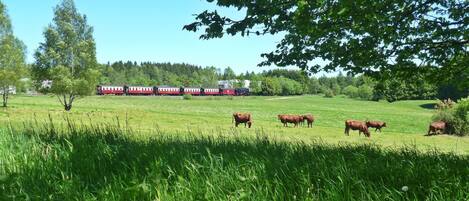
x=407, y=120
x=46, y=162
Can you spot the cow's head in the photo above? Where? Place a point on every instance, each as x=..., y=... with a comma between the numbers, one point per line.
x=384, y=124
x=367, y=132
x=364, y=129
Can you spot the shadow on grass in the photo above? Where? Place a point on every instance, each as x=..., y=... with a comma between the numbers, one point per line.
x=430, y=106
x=106, y=163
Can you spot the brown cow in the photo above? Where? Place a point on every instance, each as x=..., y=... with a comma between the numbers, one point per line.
x=239, y=118
x=286, y=118
x=437, y=126
x=356, y=125
x=376, y=124
x=308, y=118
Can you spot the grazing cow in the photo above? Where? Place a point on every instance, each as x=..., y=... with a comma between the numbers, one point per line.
x=239, y=118
x=356, y=125
x=376, y=124
x=437, y=126
x=308, y=118
x=286, y=118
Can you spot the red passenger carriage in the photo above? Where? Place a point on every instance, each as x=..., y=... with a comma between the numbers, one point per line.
x=168, y=91
x=109, y=90
x=140, y=91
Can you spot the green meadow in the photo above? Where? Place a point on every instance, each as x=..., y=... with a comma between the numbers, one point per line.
x=407, y=120
x=166, y=148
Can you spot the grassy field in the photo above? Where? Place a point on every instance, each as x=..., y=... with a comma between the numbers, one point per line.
x=407, y=120
x=166, y=148
x=48, y=162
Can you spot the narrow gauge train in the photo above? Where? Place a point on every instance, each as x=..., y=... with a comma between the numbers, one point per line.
x=170, y=91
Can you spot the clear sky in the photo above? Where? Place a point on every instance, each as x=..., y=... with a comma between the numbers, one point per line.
x=145, y=30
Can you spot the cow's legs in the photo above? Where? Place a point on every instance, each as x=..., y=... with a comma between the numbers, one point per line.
x=236, y=124
x=346, y=132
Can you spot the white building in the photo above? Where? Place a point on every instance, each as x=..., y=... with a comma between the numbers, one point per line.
x=224, y=84
x=46, y=84
x=11, y=90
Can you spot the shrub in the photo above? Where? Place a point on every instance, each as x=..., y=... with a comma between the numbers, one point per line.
x=456, y=117
x=187, y=97
x=461, y=114
x=328, y=93
x=365, y=92
x=445, y=104
x=270, y=87
x=350, y=91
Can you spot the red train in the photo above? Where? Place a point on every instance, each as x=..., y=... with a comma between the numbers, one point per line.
x=170, y=91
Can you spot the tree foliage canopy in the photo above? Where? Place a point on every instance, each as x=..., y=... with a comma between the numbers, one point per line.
x=68, y=55
x=12, y=56
x=360, y=36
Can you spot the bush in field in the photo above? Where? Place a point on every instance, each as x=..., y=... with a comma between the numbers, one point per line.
x=461, y=114
x=445, y=104
x=328, y=93
x=274, y=86
x=350, y=91
x=365, y=92
x=270, y=87
x=290, y=87
x=187, y=97
x=456, y=117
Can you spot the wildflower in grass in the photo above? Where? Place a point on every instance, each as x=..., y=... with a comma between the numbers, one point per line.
x=405, y=188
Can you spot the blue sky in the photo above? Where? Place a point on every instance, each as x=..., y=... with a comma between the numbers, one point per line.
x=145, y=30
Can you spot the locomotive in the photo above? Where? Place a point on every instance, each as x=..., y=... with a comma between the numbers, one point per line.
x=169, y=91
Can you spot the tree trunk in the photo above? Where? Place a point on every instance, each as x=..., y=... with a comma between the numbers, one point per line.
x=68, y=104
x=5, y=97
x=68, y=107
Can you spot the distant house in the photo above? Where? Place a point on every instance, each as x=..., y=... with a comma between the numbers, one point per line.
x=246, y=83
x=225, y=84
x=11, y=90
x=46, y=84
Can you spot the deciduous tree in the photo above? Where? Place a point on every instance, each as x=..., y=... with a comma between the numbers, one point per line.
x=68, y=55
x=359, y=36
x=12, y=56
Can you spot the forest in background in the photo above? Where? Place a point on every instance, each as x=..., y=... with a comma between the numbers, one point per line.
x=282, y=82
x=277, y=81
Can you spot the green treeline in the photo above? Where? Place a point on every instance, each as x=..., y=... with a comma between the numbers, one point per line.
x=157, y=74
x=276, y=82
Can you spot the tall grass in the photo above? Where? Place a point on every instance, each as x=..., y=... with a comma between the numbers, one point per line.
x=110, y=162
